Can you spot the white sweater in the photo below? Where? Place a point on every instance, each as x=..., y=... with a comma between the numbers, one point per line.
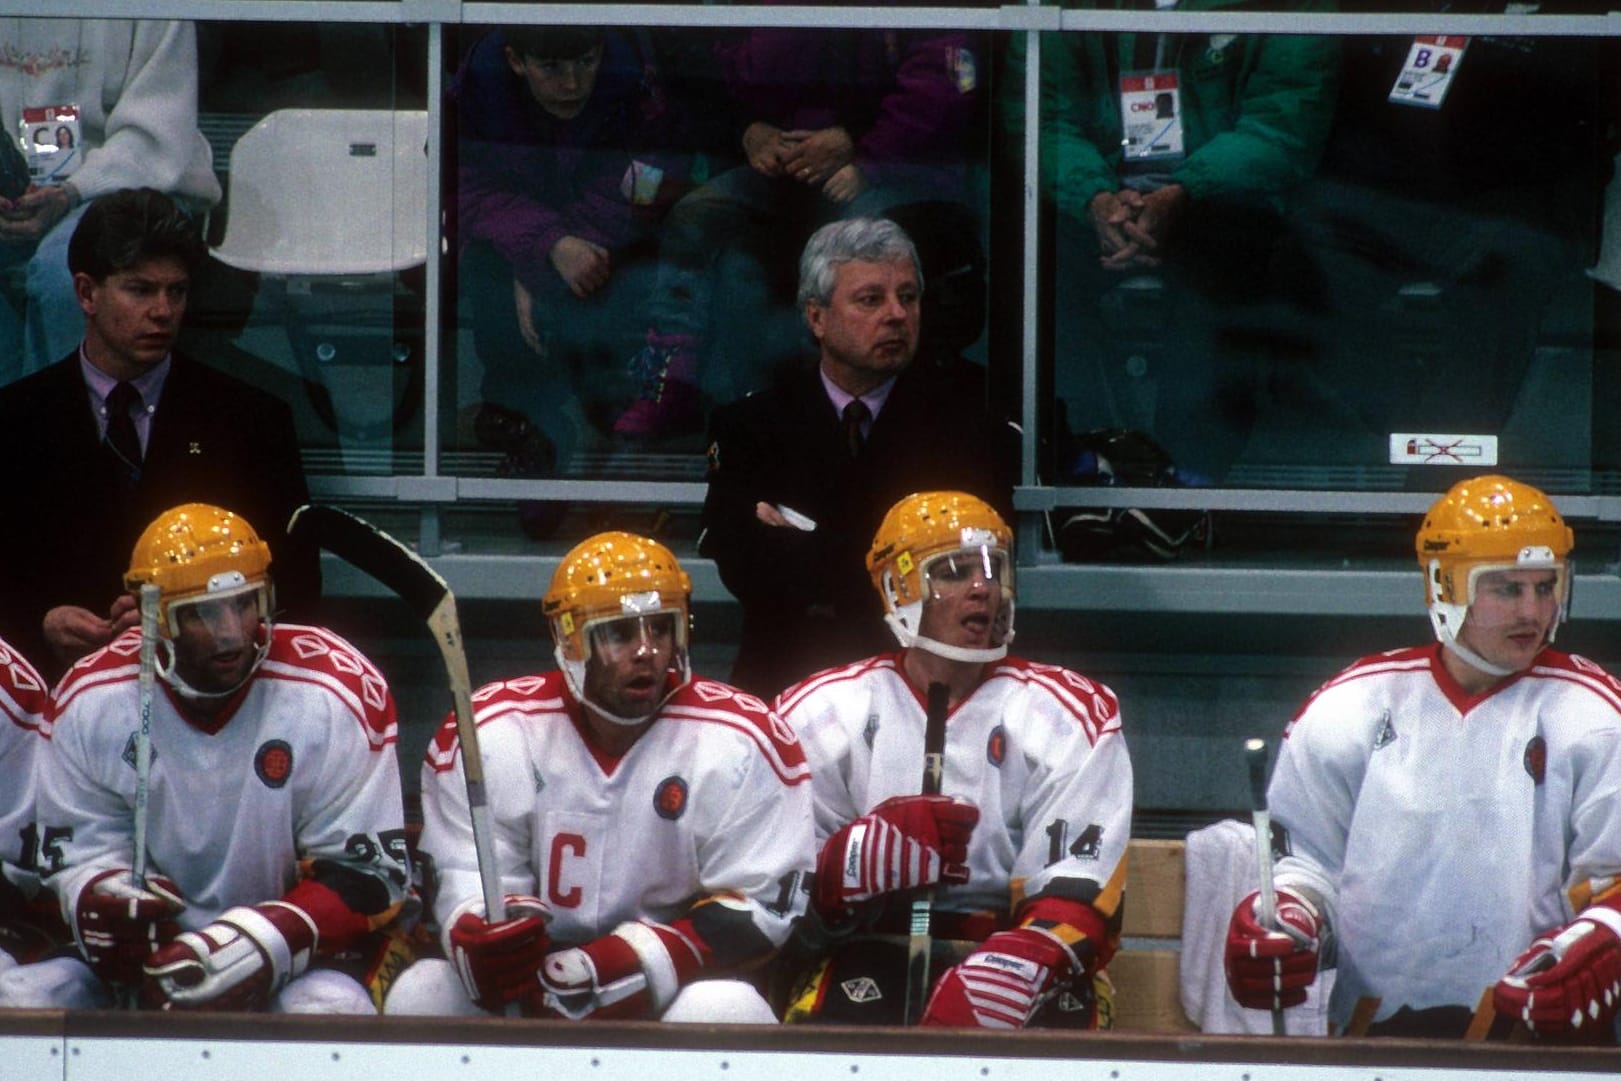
x=135, y=83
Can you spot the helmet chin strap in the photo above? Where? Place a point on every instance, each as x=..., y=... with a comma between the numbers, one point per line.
x=168, y=673
x=969, y=654
x=1444, y=632
x=574, y=676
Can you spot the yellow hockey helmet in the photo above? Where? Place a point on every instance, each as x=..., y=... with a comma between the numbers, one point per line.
x=918, y=535
x=198, y=551
x=1489, y=523
x=614, y=576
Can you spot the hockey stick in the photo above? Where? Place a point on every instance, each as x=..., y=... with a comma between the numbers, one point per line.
x=921, y=942
x=1255, y=755
x=143, y=733
x=363, y=545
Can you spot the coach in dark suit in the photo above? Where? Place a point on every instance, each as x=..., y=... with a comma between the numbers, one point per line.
x=100, y=443
x=800, y=475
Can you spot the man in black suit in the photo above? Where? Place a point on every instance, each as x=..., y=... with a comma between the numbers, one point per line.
x=101, y=442
x=801, y=474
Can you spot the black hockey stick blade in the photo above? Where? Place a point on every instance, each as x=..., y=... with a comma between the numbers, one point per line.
x=361, y=544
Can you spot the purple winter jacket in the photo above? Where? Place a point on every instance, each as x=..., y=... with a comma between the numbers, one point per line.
x=526, y=179
x=907, y=98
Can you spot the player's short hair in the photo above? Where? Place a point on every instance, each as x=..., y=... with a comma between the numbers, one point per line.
x=553, y=42
x=867, y=240
x=123, y=229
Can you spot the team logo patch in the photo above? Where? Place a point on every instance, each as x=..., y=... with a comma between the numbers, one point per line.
x=1387, y=732
x=670, y=798
x=274, y=762
x=861, y=989
x=1536, y=759
x=996, y=746
x=129, y=752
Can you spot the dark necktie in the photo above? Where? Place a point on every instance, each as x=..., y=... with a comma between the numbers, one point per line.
x=855, y=415
x=122, y=439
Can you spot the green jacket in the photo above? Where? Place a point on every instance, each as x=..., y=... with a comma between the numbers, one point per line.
x=1256, y=108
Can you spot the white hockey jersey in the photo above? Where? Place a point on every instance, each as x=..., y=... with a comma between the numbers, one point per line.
x=712, y=801
x=1037, y=748
x=1445, y=831
x=301, y=767
x=22, y=744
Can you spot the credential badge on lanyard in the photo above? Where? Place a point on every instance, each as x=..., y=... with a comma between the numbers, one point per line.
x=1432, y=63
x=1151, y=116
x=51, y=142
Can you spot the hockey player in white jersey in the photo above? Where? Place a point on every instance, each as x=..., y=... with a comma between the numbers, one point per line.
x=1451, y=813
x=27, y=926
x=1025, y=848
x=652, y=829
x=274, y=834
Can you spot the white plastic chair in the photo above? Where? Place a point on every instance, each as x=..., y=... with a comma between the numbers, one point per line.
x=329, y=206
x=329, y=192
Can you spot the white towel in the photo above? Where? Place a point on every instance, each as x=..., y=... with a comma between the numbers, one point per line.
x=1220, y=871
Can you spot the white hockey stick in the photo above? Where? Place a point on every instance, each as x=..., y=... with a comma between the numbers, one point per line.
x=921, y=941
x=143, y=732
x=1255, y=755
x=363, y=545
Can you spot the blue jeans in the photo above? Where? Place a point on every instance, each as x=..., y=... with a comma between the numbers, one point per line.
x=45, y=323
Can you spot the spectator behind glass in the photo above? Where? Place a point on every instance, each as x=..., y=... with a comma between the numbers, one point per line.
x=1199, y=227
x=1453, y=231
x=832, y=124
x=195, y=434
x=799, y=479
x=570, y=153
x=134, y=86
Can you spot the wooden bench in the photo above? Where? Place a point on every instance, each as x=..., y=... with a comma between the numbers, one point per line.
x=1147, y=995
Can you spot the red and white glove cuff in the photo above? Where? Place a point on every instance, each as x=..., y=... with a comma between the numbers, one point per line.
x=653, y=957
x=475, y=905
x=284, y=932
x=1605, y=915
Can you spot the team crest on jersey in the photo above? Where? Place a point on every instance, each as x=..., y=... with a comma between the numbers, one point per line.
x=670, y=798
x=129, y=752
x=861, y=989
x=274, y=762
x=996, y=746
x=1536, y=759
x=1386, y=734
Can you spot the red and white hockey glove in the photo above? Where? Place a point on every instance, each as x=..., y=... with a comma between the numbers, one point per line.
x=635, y=972
x=904, y=843
x=1267, y=969
x=1568, y=984
x=117, y=923
x=238, y=962
x=1003, y=983
x=500, y=962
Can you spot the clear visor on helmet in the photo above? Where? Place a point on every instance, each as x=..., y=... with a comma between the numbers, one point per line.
x=623, y=637
x=961, y=569
x=1541, y=559
x=223, y=612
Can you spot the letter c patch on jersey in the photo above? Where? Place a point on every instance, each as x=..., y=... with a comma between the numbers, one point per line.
x=670, y=798
x=996, y=746
x=1536, y=759
x=274, y=762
